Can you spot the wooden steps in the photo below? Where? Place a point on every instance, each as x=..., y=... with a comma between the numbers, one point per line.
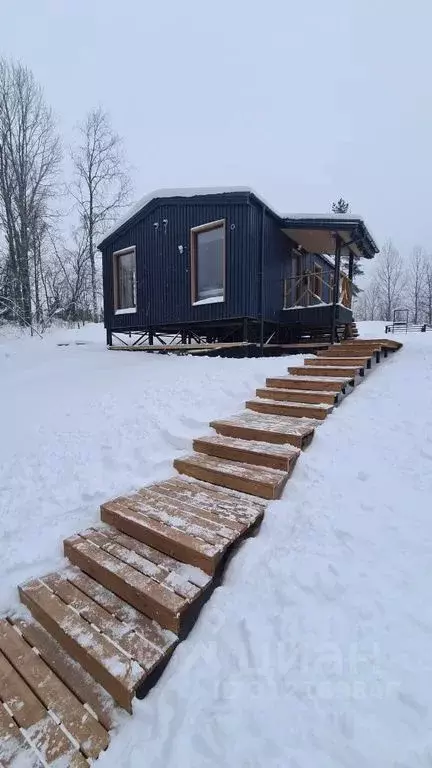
x=348, y=350
x=361, y=362
x=299, y=395
x=232, y=508
x=53, y=694
x=196, y=536
x=391, y=344
x=317, y=370
x=94, y=698
x=270, y=429
x=118, y=654
x=247, y=478
x=103, y=629
x=284, y=408
x=248, y=451
x=46, y=741
x=125, y=568
x=332, y=384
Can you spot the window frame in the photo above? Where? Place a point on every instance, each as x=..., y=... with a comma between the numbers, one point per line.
x=194, y=232
x=115, y=267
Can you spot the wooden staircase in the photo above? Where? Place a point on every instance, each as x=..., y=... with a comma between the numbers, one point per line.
x=101, y=630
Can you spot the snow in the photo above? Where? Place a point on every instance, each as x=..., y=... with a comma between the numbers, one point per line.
x=315, y=651
x=195, y=191
x=81, y=425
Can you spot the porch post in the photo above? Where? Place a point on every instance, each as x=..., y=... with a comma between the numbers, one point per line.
x=351, y=266
x=336, y=287
x=261, y=334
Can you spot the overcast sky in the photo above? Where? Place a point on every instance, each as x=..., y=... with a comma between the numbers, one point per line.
x=305, y=101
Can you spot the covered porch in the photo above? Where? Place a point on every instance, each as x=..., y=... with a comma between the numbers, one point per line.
x=318, y=292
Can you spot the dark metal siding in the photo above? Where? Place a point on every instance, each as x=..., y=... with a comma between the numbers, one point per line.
x=163, y=272
x=277, y=256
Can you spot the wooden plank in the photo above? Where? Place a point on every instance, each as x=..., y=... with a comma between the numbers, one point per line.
x=162, y=638
x=52, y=692
x=229, y=505
x=345, y=350
x=41, y=731
x=186, y=520
x=258, y=481
x=131, y=556
x=361, y=362
x=307, y=410
x=117, y=673
x=87, y=690
x=385, y=343
x=143, y=593
x=133, y=645
x=310, y=383
x=248, y=451
x=348, y=372
x=267, y=428
x=221, y=523
x=130, y=518
x=14, y=749
x=298, y=395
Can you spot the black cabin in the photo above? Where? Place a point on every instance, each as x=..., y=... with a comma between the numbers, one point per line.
x=222, y=266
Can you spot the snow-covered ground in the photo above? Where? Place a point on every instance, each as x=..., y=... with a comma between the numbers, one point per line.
x=80, y=425
x=316, y=650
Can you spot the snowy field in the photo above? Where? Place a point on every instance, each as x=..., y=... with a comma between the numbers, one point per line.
x=316, y=650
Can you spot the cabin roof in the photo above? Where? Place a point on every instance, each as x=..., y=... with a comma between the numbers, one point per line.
x=313, y=231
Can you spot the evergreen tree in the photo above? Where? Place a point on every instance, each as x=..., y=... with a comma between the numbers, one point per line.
x=342, y=206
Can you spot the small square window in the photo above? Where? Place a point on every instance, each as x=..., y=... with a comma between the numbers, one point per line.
x=208, y=263
x=124, y=269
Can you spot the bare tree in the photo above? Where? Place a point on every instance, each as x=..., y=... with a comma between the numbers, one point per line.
x=415, y=281
x=427, y=292
x=30, y=155
x=101, y=184
x=367, y=303
x=389, y=279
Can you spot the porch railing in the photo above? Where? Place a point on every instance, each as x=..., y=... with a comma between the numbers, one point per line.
x=312, y=289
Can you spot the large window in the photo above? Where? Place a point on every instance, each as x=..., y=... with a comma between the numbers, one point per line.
x=124, y=265
x=208, y=262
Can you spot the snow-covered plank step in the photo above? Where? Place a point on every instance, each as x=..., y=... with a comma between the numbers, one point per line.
x=157, y=592
x=170, y=528
x=230, y=506
x=299, y=395
x=49, y=741
x=103, y=659
x=361, y=362
x=285, y=408
x=247, y=478
x=87, y=690
x=270, y=429
x=348, y=351
x=14, y=749
x=389, y=343
x=332, y=384
x=255, y=452
x=317, y=370
x=91, y=736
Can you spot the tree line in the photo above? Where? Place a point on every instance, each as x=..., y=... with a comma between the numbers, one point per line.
x=49, y=225
x=396, y=283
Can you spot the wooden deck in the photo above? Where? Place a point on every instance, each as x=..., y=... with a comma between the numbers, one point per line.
x=101, y=631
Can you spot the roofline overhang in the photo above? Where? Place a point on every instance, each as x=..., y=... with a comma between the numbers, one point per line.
x=353, y=226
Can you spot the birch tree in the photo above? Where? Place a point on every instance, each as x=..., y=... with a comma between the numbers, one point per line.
x=389, y=279
x=415, y=282
x=101, y=185
x=30, y=155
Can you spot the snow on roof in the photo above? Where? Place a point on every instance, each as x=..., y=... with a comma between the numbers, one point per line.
x=180, y=192
x=195, y=191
